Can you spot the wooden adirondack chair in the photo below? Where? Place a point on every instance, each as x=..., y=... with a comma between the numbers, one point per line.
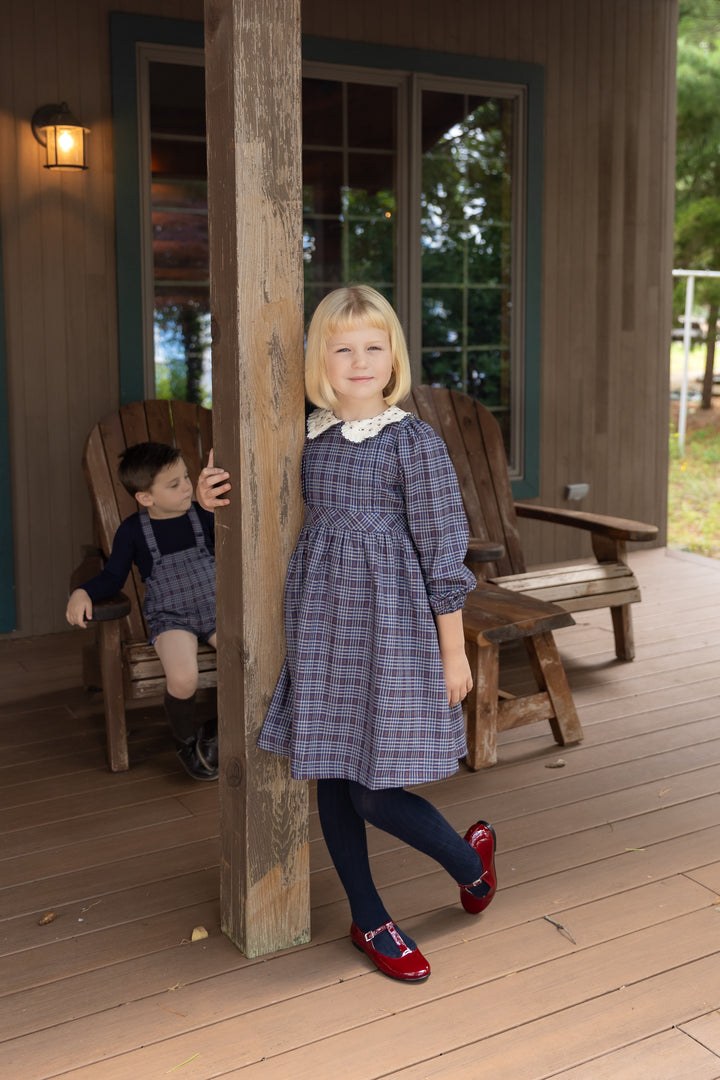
x=493, y=616
x=129, y=667
x=475, y=444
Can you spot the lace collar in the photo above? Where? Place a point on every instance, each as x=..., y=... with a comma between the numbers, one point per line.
x=352, y=430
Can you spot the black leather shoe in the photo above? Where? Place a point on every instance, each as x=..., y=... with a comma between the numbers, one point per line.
x=191, y=761
x=207, y=745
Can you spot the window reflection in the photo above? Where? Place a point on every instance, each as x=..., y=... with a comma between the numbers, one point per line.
x=466, y=245
x=349, y=187
x=181, y=285
x=353, y=157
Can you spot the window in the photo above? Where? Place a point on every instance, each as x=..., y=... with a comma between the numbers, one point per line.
x=350, y=155
x=174, y=170
x=468, y=222
x=414, y=180
x=422, y=175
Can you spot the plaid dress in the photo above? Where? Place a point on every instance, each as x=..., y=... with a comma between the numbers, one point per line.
x=361, y=694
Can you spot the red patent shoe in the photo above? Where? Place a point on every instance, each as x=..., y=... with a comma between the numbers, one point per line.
x=410, y=966
x=481, y=837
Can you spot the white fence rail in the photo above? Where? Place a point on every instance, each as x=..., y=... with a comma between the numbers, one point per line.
x=687, y=328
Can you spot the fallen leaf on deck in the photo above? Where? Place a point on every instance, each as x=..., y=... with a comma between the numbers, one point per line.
x=559, y=926
x=186, y=1062
x=199, y=933
x=559, y=764
x=173, y=1011
x=48, y=917
x=663, y=791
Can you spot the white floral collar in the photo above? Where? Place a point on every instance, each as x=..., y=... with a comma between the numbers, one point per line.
x=352, y=430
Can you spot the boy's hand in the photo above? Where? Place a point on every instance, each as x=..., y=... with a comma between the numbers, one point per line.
x=211, y=485
x=79, y=609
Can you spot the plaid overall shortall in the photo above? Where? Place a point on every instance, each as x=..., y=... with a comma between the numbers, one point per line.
x=180, y=591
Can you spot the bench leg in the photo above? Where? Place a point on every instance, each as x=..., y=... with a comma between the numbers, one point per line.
x=608, y=550
x=115, y=724
x=482, y=705
x=550, y=676
x=623, y=630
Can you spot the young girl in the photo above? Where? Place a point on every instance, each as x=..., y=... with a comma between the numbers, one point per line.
x=369, y=698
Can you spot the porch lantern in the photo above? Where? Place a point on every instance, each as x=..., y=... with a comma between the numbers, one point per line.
x=63, y=137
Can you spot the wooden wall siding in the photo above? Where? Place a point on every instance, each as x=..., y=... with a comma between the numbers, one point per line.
x=607, y=228
x=609, y=119
x=59, y=263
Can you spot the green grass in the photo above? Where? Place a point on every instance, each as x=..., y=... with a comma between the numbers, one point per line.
x=694, y=492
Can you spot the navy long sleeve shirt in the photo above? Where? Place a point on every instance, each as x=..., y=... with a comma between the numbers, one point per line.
x=171, y=534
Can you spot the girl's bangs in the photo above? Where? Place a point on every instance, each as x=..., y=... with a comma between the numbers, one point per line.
x=352, y=317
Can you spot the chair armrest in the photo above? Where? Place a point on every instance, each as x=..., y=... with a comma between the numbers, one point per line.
x=115, y=607
x=611, y=527
x=480, y=551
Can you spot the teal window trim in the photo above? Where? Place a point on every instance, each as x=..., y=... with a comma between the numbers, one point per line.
x=126, y=31
x=360, y=54
x=7, y=559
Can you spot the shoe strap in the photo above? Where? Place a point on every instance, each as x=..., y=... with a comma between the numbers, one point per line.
x=474, y=883
x=394, y=934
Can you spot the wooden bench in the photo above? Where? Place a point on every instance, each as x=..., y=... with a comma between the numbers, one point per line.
x=120, y=659
x=493, y=616
x=475, y=445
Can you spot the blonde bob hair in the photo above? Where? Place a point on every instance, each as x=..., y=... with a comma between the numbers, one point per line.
x=344, y=309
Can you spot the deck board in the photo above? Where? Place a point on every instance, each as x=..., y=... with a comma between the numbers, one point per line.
x=619, y=846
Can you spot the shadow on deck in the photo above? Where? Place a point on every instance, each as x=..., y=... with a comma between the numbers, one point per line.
x=598, y=958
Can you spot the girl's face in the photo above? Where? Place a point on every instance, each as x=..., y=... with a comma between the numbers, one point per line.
x=359, y=367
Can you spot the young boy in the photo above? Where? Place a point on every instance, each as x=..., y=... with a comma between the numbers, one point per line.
x=171, y=541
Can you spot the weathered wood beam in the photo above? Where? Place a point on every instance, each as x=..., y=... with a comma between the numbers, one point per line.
x=253, y=81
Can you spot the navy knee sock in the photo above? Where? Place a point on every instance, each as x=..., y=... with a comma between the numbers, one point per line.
x=181, y=714
x=418, y=823
x=346, y=840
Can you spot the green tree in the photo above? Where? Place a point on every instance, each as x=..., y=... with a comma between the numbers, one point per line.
x=697, y=219
x=186, y=338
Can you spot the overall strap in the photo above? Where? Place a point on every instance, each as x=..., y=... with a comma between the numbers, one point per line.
x=147, y=531
x=197, y=528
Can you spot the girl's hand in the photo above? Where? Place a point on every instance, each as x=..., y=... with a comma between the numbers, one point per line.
x=79, y=608
x=456, y=669
x=458, y=680
x=211, y=485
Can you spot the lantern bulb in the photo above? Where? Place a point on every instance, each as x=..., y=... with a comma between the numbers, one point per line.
x=65, y=141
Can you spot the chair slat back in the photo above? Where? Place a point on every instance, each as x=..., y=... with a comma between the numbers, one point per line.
x=179, y=423
x=475, y=444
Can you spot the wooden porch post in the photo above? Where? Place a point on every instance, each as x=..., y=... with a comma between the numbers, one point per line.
x=253, y=81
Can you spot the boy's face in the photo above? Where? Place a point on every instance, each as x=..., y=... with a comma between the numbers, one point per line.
x=170, y=494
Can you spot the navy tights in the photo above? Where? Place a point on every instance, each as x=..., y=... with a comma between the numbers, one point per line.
x=344, y=807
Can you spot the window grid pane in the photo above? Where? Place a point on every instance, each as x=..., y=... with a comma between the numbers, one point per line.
x=466, y=240
x=181, y=285
x=349, y=188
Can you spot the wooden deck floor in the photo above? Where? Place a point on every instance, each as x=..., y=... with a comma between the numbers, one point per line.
x=620, y=845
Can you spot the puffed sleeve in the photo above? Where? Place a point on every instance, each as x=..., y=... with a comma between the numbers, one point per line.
x=436, y=515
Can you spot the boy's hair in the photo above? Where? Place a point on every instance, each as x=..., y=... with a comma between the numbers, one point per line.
x=140, y=464
x=343, y=309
